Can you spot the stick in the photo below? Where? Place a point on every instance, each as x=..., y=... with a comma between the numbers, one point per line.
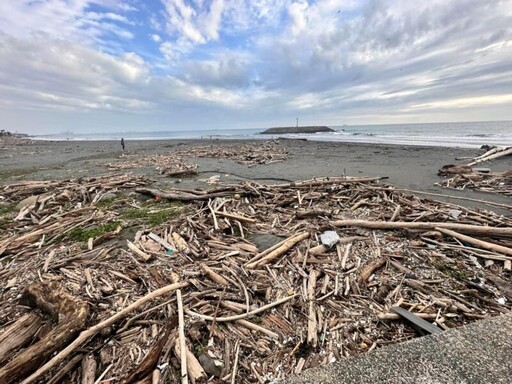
x=492, y=204
x=88, y=333
x=243, y=315
x=150, y=361
x=371, y=267
x=57, y=377
x=312, y=322
x=139, y=252
x=214, y=275
x=88, y=369
x=479, y=243
x=255, y=327
x=289, y=243
x=195, y=371
x=427, y=226
x=181, y=332
x=155, y=377
x=215, y=223
x=395, y=316
x=235, y=365
x=236, y=217
x=268, y=250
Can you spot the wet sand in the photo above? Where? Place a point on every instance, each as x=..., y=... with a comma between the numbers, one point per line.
x=412, y=167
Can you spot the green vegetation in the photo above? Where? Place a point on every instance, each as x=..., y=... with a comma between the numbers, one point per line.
x=104, y=203
x=452, y=271
x=7, y=208
x=150, y=217
x=84, y=234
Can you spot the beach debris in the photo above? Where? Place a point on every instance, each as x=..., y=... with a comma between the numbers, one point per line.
x=492, y=154
x=175, y=163
x=235, y=284
x=493, y=182
x=329, y=238
x=480, y=179
x=452, y=169
x=417, y=322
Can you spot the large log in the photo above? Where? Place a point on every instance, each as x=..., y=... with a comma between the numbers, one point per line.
x=329, y=181
x=90, y=332
x=181, y=195
x=18, y=334
x=476, y=242
x=71, y=312
x=507, y=151
x=427, y=226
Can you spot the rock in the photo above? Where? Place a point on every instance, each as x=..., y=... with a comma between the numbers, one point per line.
x=211, y=365
x=329, y=238
x=264, y=241
x=455, y=213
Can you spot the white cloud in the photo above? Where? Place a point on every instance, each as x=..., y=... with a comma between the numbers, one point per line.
x=66, y=20
x=261, y=60
x=298, y=13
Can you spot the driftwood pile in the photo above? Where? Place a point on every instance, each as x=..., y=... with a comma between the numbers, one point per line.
x=495, y=182
x=202, y=298
x=8, y=139
x=481, y=179
x=174, y=163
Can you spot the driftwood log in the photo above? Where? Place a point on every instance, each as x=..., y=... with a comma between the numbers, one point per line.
x=426, y=226
x=479, y=243
x=328, y=181
x=90, y=332
x=19, y=334
x=181, y=195
x=492, y=156
x=71, y=312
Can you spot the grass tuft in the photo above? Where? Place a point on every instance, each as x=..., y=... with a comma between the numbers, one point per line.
x=84, y=234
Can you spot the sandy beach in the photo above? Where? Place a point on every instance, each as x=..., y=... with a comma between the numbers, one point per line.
x=301, y=268
x=411, y=167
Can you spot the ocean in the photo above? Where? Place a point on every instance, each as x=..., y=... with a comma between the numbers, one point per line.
x=465, y=135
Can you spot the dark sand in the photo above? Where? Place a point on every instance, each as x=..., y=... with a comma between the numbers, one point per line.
x=411, y=167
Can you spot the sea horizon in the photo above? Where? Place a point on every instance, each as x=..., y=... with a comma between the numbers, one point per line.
x=454, y=134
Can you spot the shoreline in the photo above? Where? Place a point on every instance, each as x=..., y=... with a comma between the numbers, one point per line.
x=410, y=167
x=378, y=141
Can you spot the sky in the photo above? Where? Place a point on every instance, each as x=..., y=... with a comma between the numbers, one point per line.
x=134, y=65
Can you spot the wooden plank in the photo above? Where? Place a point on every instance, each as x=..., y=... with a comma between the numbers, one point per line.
x=416, y=321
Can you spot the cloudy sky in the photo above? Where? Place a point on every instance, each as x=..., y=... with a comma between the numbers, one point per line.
x=136, y=65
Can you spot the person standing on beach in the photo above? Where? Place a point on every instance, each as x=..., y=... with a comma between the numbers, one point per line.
x=122, y=143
